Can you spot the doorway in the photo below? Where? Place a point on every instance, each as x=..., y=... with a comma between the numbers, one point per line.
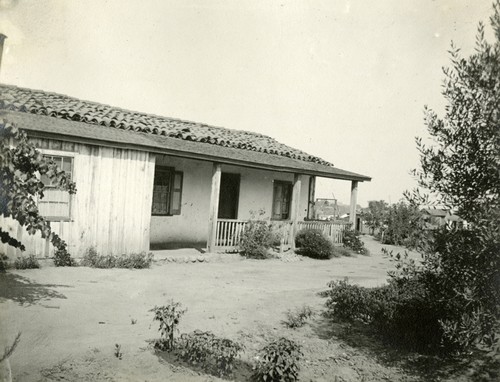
x=229, y=196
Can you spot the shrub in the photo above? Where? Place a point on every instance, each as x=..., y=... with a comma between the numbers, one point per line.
x=279, y=361
x=312, y=243
x=134, y=260
x=402, y=312
x=256, y=240
x=341, y=251
x=29, y=262
x=351, y=240
x=4, y=262
x=213, y=354
x=168, y=316
x=62, y=258
x=404, y=225
x=298, y=318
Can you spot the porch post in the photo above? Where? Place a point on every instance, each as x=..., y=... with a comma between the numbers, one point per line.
x=214, y=207
x=294, y=212
x=312, y=198
x=354, y=197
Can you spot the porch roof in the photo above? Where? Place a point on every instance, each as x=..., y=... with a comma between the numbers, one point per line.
x=42, y=118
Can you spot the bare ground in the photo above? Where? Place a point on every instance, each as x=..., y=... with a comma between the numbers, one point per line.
x=71, y=318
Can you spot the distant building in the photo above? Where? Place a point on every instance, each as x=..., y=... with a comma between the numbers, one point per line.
x=437, y=217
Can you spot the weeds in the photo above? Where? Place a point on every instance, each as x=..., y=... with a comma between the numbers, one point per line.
x=168, y=316
x=133, y=261
x=29, y=262
x=298, y=318
x=118, y=352
x=278, y=361
x=213, y=354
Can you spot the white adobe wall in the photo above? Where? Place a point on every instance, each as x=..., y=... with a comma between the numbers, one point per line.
x=191, y=226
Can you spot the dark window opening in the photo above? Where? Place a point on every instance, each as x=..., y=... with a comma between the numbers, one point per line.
x=167, y=192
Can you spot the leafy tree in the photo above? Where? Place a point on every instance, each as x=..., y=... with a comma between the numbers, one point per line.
x=377, y=214
x=404, y=225
x=21, y=165
x=460, y=171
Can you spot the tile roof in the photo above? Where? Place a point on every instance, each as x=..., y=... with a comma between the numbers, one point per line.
x=69, y=108
x=63, y=118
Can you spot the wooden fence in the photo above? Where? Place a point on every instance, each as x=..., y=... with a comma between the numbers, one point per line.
x=229, y=231
x=332, y=230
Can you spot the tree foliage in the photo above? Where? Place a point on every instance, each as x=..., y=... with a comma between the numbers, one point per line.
x=21, y=165
x=376, y=215
x=404, y=225
x=461, y=171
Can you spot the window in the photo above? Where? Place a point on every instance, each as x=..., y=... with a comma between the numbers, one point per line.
x=167, y=192
x=282, y=195
x=56, y=204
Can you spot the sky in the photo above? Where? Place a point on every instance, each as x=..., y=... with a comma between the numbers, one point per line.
x=343, y=80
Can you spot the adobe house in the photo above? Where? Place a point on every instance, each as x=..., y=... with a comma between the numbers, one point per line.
x=146, y=181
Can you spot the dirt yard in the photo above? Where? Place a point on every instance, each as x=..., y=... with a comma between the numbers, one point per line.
x=71, y=318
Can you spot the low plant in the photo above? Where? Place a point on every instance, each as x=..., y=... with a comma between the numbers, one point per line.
x=402, y=312
x=4, y=262
x=257, y=239
x=351, y=240
x=312, y=243
x=132, y=261
x=278, y=361
x=342, y=251
x=169, y=317
x=29, y=262
x=62, y=258
x=133, y=321
x=298, y=317
x=135, y=260
x=213, y=354
x=118, y=351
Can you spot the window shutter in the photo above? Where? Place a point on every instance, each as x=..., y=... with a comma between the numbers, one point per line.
x=176, y=201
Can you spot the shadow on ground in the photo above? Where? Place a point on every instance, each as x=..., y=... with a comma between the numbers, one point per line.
x=426, y=366
x=26, y=292
x=242, y=370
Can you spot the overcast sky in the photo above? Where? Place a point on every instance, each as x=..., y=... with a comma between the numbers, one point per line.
x=343, y=80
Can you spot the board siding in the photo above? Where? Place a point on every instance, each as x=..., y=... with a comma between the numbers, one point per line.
x=111, y=210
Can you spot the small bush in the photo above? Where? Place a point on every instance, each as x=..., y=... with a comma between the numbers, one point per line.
x=4, y=263
x=279, y=361
x=118, y=351
x=62, y=258
x=135, y=260
x=341, y=251
x=402, y=313
x=298, y=318
x=29, y=262
x=312, y=243
x=132, y=261
x=351, y=240
x=213, y=354
x=256, y=240
x=169, y=317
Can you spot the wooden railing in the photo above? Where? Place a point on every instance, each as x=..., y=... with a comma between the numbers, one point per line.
x=230, y=231
x=332, y=230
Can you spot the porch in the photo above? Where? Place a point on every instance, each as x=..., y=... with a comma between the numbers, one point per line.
x=229, y=232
